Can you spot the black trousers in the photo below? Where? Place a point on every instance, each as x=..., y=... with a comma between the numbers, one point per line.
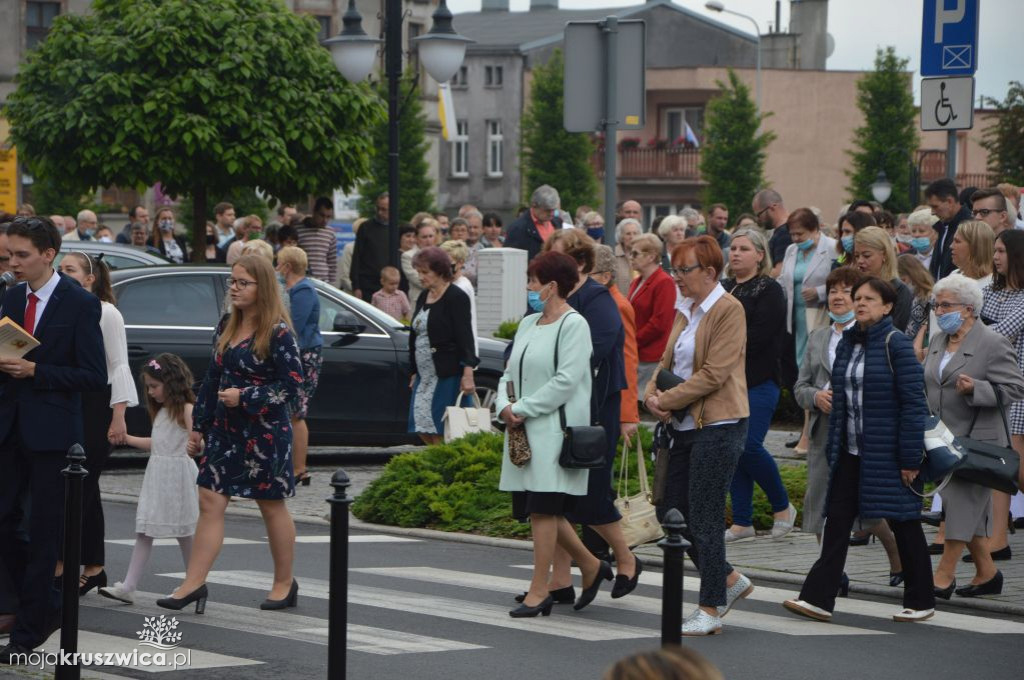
x=96, y=416
x=823, y=580
x=31, y=485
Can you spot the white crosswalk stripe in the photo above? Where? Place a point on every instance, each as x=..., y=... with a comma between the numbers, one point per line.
x=312, y=539
x=165, y=542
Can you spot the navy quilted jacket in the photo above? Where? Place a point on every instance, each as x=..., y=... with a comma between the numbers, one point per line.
x=894, y=412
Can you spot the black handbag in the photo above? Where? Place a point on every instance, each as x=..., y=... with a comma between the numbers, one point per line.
x=990, y=465
x=583, y=446
x=666, y=380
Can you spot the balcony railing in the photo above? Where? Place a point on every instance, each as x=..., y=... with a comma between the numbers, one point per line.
x=667, y=164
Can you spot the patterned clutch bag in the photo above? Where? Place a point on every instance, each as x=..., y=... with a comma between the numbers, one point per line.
x=518, y=445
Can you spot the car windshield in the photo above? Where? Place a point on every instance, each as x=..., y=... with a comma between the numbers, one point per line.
x=364, y=308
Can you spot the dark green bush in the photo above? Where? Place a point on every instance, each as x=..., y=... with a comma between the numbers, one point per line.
x=794, y=478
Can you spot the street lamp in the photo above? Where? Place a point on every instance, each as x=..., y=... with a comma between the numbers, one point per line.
x=881, y=189
x=441, y=52
x=716, y=6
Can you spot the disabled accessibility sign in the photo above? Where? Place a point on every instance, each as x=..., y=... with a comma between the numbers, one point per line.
x=947, y=103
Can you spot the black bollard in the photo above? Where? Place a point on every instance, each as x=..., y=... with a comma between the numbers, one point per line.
x=337, y=607
x=673, y=546
x=74, y=473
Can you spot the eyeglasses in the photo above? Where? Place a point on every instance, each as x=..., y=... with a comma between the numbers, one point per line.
x=636, y=253
x=985, y=212
x=241, y=284
x=764, y=210
x=683, y=271
x=939, y=306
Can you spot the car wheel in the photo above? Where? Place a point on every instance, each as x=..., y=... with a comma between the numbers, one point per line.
x=487, y=393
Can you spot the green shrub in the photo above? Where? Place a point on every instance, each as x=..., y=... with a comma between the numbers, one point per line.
x=507, y=330
x=794, y=478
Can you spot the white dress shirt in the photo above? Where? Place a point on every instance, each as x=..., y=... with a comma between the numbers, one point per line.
x=44, y=294
x=833, y=342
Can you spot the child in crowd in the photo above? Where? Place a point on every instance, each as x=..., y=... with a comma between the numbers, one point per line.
x=169, y=500
x=389, y=299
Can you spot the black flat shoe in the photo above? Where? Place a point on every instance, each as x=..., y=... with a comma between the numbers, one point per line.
x=895, y=578
x=525, y=612
x=945, y=593
x=862, y=539
x=604, y=573
x=290, y=600
x=13, y=653
x=198, y=596
x=844, y=586
x=936, y=548
x=565, y=595
x=993, y=586
x=1003, y=555
x=624, y=585
x=87, y=583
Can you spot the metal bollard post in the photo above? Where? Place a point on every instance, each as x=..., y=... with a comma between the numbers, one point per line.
x=337, y=626
x=673, y=546
x=74, y=473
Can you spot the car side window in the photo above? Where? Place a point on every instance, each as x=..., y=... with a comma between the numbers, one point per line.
x=119, y=262
x=329, y=309
x=169, y=301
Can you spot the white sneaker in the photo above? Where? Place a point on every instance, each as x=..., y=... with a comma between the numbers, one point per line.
x=701, y=623
x=745, y=532
x=807, y=609
x=742, y=588
x=782, y=527
x=912, y=615
x=118, y=592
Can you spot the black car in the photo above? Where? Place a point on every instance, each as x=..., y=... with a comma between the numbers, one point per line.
x=363, y=396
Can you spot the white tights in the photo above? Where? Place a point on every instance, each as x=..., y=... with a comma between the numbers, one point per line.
x=140, y=556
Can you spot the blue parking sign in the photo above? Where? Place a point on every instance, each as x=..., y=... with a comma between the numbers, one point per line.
x=949, y=38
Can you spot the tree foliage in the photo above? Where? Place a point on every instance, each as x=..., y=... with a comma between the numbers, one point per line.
x=550, y=154
x=203, y=96
x=1004, y=140
x=888, y=137
x=416, y=192
x=732, y=158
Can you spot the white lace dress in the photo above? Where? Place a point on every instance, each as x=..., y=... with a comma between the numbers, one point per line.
x=169, y=500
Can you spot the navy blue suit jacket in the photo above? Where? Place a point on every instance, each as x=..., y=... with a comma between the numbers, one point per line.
x=47, y=408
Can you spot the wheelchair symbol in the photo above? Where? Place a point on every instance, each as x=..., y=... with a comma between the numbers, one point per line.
x=944, y=106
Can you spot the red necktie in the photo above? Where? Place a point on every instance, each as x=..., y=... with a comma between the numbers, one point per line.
x=30, y=313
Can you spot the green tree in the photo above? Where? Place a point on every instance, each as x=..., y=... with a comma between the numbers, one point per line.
x=416, y=192
x=204, y=97
x=1004, y=140
x=888, y=138
x=733, y=155
x=550, y=155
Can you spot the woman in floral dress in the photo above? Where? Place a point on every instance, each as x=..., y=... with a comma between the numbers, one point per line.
x=242, y=414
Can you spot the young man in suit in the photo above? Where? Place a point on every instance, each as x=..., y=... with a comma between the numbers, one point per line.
x=40, y=419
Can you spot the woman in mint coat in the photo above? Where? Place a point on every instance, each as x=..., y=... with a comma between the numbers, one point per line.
x=542, y=490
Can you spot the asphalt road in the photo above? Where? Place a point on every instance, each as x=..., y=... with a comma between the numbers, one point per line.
x=436, y=610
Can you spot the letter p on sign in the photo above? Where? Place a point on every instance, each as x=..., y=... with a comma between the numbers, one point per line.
x=945, y=16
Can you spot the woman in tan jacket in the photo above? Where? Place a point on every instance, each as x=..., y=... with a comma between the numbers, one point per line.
x=707, y=350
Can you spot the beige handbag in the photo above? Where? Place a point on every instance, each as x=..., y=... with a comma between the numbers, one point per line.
x=461, y=420
x=639, y=521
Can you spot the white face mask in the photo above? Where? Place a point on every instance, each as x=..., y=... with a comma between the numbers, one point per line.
x=105, y=239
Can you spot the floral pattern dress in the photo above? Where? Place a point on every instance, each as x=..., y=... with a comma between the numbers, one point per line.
x=248, y=449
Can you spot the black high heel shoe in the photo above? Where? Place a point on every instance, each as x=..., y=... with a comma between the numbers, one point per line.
x=895, y=578
x=862, y=539
x=303, y=479
x=945, y=593
x=844, y=586
x=87, y=583
x=565, y=595
x=524, y=612
x=198, y=596
x=290, y=600
x=604, y=572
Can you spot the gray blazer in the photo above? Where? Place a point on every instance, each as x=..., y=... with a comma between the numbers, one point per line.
x=988, y=358
x=815, y=371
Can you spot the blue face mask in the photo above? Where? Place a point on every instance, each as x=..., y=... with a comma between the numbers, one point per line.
x=921, y=244
x=596, y=233
x=533, y=299
x=805, y=245
x=848, y=244
x=950, y=322
x=841, y=318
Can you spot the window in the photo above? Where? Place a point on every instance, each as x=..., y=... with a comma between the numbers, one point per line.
x=674, y=123
x=460, y=150
x=493, y=76
x=495, y=149
x=39, y=18
x=189, y=301
x=461, y=78
x=415, y=30
x=325, y=27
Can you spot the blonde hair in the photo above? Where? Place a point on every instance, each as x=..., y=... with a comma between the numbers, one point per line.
x=419, y=217
x=911, y=268
x=456, y=250
x=760, y=243
x=981, y=242
x=261, y=248
x=648, y=243
x=294, y=257
x=876, y=238
x=667, y=663
x=269, y=309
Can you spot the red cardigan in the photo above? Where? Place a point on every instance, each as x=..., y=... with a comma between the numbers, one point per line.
x=655, y=307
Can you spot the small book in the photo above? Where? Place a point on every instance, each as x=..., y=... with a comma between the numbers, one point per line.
x=15, y=341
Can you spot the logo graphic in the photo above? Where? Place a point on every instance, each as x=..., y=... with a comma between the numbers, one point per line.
x=159, y=632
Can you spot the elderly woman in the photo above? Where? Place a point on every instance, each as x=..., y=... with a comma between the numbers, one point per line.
x=764, y=304
x=441, y=345
x=249, y=228
x=459, y=253
x=653, y=296
x=542, y=490
x=672, y=231
x=875, y=257
x=593, y=225
x=923, y=235
x=625, y=231
x=971, y=376
x=708, y=415
x=972, y=250
x=875, y=437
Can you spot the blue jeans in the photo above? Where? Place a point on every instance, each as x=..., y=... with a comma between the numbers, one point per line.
x=756, y=464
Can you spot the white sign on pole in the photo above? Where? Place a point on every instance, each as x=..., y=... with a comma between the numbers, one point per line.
x=947, y=103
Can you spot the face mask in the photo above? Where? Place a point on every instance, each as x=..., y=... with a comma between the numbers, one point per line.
x=167, y=225
x=921, y=243
x=805, y=245
x=596, y=233
x=848, y=244
x=842, y=318
x=950, y=322
x=106, y=239
x=533, y=299
x=904, y=239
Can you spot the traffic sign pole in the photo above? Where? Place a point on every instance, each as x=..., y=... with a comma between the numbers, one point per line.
x=610, y=28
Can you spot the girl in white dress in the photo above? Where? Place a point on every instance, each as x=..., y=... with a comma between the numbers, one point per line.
x=168, y=502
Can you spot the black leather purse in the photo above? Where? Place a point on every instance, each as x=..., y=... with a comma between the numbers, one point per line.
x=989, y=465
x=583, y=446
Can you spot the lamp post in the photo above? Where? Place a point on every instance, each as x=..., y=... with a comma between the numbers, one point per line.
x=881, y=188
x=441, y=51
x=716, y=6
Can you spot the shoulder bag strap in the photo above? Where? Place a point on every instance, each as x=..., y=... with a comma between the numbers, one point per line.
x=561, y=409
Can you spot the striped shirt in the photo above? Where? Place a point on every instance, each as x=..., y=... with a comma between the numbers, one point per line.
x=321, y=248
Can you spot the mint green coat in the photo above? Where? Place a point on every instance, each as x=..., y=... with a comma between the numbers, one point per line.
x=538, y=398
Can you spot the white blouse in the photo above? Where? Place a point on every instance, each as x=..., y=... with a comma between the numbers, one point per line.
x=115, y=345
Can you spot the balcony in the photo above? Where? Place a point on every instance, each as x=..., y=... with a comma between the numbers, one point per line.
x=673, y=164
x=933, y=166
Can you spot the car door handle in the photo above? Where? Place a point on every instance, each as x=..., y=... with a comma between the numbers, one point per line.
x=137, y=352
